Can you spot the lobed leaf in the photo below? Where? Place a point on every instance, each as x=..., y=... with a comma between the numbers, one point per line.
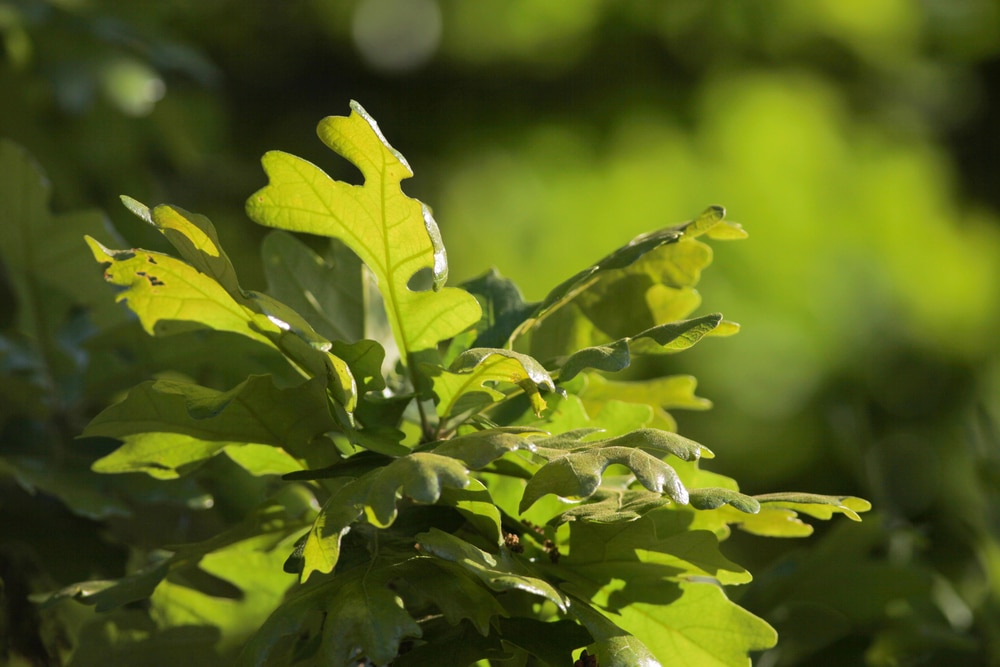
x=321, y=549
x=699, y=626
x=479, y=449
x=170, y=296
x=454, y=591
x=168, y=425
x=659, y=394
x=500, y=572
x=197, y=241
x=616, y=356
x=613, y=506
x=578, y=475
x=660, y=546
x=817, y=506
x=645, y=284
x=714, y=497
x=394, y=235
x=420, y=476
x=651, y=440
x=474, y=371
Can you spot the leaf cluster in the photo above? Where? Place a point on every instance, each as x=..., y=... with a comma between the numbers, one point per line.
x=455, y=475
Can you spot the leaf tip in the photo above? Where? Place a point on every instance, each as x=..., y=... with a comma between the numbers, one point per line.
x=139, y=209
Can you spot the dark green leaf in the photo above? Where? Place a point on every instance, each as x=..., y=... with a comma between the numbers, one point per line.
x=500, y=572
x=715, y=497
x=503, y=308
x=328, y=291
x=578, y=475
x=168, y=425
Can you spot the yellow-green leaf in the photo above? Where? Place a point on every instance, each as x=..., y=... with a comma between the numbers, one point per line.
x=396, y=236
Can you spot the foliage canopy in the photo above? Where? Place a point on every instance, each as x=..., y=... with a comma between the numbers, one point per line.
x=451, y=473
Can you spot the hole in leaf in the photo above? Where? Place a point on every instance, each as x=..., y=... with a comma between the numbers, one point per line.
x=421, y=281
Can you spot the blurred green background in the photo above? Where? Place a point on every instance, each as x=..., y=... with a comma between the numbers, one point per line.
x=856, y=141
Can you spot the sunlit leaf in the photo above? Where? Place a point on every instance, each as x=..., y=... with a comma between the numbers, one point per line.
x=394, y=235
x=818, y=506
x=578, y=475
x=170, y=296
x=164, y=306
x=475, y=370
x=616, y=356
x=659, y=546
x=642, y=285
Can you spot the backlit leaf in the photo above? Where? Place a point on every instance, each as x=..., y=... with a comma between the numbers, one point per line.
x=818, y=506
x=394, y=235
x=170, y=296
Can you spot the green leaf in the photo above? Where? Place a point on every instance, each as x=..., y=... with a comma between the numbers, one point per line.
x=578, y=475
x=471, y=372
x=196, y=240
x=500, y=572
x=328, y=291
x=193, y=297
x=358, y=614
x=650, y=440
x=110, y=594
x=614, y=646
x=420, y=476
x=480, y=448
x=168, y=425
x=255, y=575
x=659, y=546
x=616, y=356
x=614, y=506
x=644, y=284
x=170, y=296
x=477, y=506
x=394, y=235
x=364, y=613
x=699, y=627
x=714, y=497
x=820, y=507
x=453, y=590
x=503, y=306
x=321, y=550
x=41, y=253
x=659, y=394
